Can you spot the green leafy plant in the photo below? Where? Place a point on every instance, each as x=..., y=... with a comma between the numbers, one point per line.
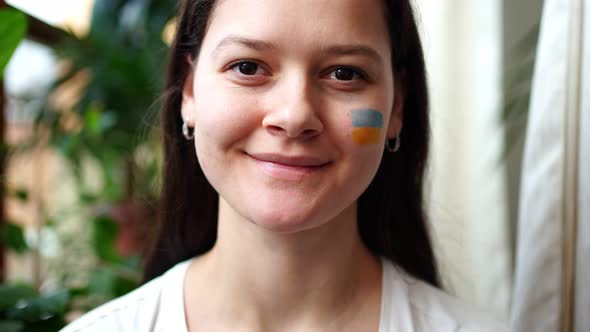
x=13, y=237
x=23, y=309
x=117, y=72
x=13, y=26
x=118, y=68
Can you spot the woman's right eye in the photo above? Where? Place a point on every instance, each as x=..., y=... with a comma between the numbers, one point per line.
x=247, y=68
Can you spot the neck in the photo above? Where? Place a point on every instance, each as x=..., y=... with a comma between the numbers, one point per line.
x=310, y=278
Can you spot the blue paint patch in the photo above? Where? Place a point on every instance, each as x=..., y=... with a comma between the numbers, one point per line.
x=367, y=118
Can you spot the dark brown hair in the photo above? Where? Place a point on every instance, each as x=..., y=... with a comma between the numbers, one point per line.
x=391, y=216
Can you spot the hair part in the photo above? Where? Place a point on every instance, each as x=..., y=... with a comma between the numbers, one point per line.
x=391, y=218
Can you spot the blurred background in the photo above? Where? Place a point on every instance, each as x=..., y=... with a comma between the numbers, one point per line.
x=80, y=154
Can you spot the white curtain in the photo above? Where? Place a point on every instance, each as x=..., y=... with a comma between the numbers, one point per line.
x=582, y=299
x=551, y=291
x=467, y=204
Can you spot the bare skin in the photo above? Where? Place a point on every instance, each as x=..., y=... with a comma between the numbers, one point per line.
x=288, y=256
x=264, y=282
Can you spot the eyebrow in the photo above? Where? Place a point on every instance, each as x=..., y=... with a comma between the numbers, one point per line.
x=254, y=44
x=354, y=50
x=260, y=45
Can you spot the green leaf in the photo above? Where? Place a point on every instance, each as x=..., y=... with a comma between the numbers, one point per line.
x=103, y=282
x=41, y=308
x=97, y=121
x=68, y=144
x=109, y=282
x=13, y=26
x=79, y=291
x=87, y=197
x=92, y=121
x=49, y=223
x=10, y=295
x=104, y=236
x=108, y=120
x=19, y=193
x=46, y=324
x=11, y=326
x=22, y=195
x=132, y=262
x=14, y=237
x=123, y=286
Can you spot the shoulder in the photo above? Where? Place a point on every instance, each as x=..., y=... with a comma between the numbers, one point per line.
x=431, y=309
x=138, y=310
x=121, y=314
x=434, y=304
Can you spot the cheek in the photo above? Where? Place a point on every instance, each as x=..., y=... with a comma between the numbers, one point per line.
x=222, y=118
x=365, y=139
x=360, y=146
x=366, y=128
x=368, y=119
x=366, y=161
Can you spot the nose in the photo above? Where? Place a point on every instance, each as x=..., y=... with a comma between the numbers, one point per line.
x=294, y=114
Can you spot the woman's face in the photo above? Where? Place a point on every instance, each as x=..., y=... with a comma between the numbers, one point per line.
x=291, y=103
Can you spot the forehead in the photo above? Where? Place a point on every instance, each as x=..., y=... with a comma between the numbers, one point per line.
x=302, y=23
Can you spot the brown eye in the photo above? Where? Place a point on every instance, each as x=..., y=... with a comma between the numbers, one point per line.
x=246, y=68
x=346, y=74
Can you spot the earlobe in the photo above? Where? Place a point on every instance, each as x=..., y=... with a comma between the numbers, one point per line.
x=397, y=112
x=188, y=96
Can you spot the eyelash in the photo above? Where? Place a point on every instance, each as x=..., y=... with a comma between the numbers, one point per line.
x=233, y=66
x=356, y=71
x=360, y=74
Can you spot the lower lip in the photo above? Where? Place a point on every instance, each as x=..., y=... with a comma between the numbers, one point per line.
x=287, y=172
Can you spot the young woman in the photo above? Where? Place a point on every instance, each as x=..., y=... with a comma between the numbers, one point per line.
x=296, y=136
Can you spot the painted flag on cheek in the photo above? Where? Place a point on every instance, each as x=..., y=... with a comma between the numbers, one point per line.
x=366, y=126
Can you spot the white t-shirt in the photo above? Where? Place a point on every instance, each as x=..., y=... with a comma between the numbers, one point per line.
x=407, y=304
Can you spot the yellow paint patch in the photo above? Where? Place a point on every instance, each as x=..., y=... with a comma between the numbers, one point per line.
x=366, y=135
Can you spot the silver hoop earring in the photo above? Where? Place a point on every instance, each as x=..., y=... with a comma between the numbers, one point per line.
x=187, y=132
x=389, y=143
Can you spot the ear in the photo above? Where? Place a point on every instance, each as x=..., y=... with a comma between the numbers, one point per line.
x=396, y=119
x=187, y=108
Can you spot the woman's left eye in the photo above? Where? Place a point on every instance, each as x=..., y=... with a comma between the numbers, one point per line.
x=346, y=74
x=247, y=68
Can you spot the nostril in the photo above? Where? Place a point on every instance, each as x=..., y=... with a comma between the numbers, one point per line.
x=275, y=130
x=307, y=133
x=293, y=124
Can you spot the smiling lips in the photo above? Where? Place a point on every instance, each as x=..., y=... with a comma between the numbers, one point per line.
x=291, y=168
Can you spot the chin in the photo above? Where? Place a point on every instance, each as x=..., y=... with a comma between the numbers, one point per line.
x=283, y=223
